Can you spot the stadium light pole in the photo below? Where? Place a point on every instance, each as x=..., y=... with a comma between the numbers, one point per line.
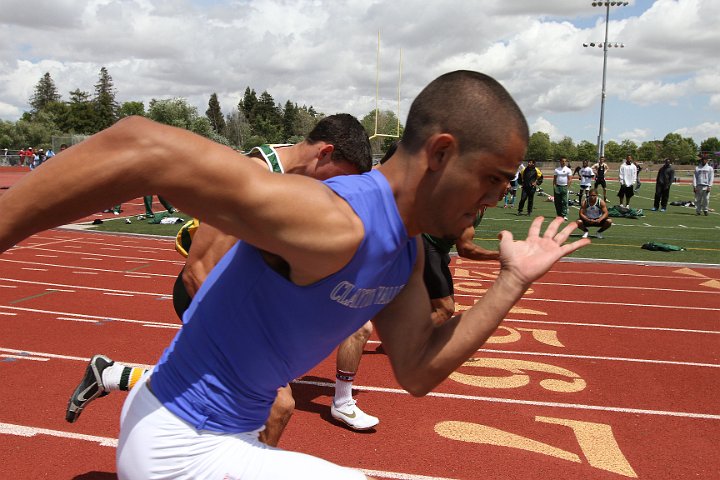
x=605, y=45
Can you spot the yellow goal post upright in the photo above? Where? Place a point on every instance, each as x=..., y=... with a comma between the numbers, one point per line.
x=377, y=134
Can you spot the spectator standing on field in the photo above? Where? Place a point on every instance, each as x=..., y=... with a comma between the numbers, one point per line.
x=529, y=178
x=561, y=184
x=586, y=174
x=599, y=169
x=627, y=177
x=148, y=200
x=702, y=181
x=665, y=179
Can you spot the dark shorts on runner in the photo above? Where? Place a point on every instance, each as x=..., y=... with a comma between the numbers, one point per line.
x=626, y=191
x=437, y=276
x=601, y=182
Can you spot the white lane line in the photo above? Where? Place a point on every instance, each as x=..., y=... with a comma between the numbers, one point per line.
x=90, y=269
x=92, y=259
x=35, y=269
x=22, y=357
x=117, y=257
x=584, y=285
x=59, y=290
x=86, y=320
x=25, y=431
x=84, y=273
x=159, y=326
x=111, y=249
x=118, y=294
x=594, y=357
x=604, y=325
x=648, y=305
x=73, y=246
x=94, y=317
x=12, y=314
x=45, y=256
x=577, y=406
x=82, y=287
x=8, y=286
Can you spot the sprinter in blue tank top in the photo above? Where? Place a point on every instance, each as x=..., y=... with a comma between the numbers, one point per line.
x=299, y=281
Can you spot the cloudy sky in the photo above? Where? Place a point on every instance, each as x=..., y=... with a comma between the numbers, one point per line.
x=324, y=53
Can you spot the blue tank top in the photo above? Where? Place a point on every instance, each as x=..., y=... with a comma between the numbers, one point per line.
x=249, y=330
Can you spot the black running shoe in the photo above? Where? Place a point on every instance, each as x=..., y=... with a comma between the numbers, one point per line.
x=90, y=387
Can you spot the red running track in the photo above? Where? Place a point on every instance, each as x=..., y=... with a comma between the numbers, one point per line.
x=606, y=375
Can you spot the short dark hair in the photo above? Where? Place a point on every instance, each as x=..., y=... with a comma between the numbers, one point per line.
x=471, y=106
x=348, y=136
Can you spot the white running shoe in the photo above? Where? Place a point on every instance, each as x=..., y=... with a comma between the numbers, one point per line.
x=599, y=235
x=585, y=235
x=350, y=414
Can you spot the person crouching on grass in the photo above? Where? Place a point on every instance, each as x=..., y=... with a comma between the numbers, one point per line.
x=593, y=213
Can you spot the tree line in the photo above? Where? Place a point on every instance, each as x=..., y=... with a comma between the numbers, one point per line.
x=255, y=120
x=258, y=119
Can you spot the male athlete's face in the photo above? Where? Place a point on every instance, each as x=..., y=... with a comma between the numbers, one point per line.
x=592, y=196
x=585, y=163
x=464, y=184
x=563, y=162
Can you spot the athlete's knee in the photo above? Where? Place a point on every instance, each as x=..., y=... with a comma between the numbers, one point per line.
x=364, y=332
x=284, y=404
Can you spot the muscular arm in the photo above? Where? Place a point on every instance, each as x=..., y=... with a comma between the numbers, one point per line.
x=467, y=248
x=208, y=247
x=423, y=356
x=200, y=177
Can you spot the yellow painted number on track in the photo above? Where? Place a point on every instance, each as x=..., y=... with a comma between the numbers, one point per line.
x=518, y=378
x=548, y=337
x=596, y=441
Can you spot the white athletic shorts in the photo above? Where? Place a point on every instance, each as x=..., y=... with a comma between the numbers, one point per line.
x=155, y=444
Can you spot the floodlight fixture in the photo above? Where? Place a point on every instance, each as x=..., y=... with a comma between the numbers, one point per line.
x=605, y=45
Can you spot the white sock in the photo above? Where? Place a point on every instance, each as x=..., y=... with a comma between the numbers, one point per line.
x=343, y=387
x=111, y=376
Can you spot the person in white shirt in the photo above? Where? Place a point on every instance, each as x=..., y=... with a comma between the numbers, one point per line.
x=586, y=176
x=702, y=181
x=628, y=177
x=561, y=184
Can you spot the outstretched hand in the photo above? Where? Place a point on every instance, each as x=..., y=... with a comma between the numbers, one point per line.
x=529, y=259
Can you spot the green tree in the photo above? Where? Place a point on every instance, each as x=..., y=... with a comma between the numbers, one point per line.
x=175, y=111
x=253, y=141
x=267, y=120
x=710, y=145
x=214, y=114
x=36, y=131
x=45, y=93
x=247, y=104
x=289, y=117
x=128, y=109
x=387, y=124
x=539, y=148
x=691, y=142
x=677, y=149
x=565, y=148
x=106, y=108
x=614, y=152
x=587, y=151
x=304, y=122
x=628, y=147
x=237, y=128
x=81, y=115
x=649, y=152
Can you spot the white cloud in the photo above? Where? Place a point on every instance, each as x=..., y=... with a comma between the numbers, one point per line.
x=543, y=125
x=703, y=130
x=323, y=53
x=637, y=135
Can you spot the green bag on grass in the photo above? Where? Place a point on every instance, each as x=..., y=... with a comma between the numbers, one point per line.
x=662, y=247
